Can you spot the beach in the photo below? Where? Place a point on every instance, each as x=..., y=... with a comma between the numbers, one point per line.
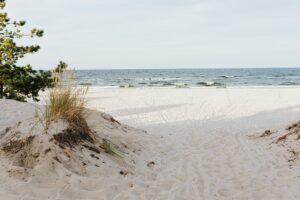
x=149, y=100
x=148, y=107
x=198, y=143
x=206, y=151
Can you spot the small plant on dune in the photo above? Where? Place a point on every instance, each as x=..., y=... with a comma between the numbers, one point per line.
x=66, y=100
x=111, y=148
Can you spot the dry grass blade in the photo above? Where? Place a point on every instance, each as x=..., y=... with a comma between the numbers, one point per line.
x=65, y=100
x=15, y=146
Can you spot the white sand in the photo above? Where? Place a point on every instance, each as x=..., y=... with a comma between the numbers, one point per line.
x=201, y=141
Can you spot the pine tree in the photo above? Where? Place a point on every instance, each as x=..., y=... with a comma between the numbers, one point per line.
x=18, y=82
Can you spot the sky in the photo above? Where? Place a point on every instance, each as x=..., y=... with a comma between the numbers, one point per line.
x=122, y=34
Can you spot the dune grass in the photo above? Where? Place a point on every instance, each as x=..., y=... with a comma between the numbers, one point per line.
x=111, y=148
x=66, y=100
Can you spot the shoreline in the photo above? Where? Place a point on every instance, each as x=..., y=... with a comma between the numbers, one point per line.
x=203, y=87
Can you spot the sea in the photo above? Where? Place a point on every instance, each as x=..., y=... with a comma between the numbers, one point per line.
x=182, y=78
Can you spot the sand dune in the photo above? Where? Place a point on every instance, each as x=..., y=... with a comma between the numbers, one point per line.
x=200, y=144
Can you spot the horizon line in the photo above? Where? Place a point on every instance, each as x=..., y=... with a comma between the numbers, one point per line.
x=179, y=68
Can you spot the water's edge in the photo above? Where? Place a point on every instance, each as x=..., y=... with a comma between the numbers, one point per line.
x=186, y=78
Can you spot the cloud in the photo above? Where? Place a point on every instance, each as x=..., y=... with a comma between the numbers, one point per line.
x=163, y=33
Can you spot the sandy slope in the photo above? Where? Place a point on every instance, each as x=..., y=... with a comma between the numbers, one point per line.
x=46, y=169
x=202, y=141
x=207, y=153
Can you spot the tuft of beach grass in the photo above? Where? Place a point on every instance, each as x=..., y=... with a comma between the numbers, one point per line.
x=66, y=100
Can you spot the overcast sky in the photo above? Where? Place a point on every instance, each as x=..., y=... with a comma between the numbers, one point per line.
x=101, y=34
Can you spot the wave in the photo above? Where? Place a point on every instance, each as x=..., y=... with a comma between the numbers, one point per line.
x=229, y=76
x=168, y=84
x=182, y=85
x=289, y=83
x=285, y=75
x=126, y=86
x=279, y=75
x=161, y=83
x=210, y=83
x=85, y=84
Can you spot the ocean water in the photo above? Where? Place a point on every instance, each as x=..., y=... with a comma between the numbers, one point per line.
x=189, y=77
